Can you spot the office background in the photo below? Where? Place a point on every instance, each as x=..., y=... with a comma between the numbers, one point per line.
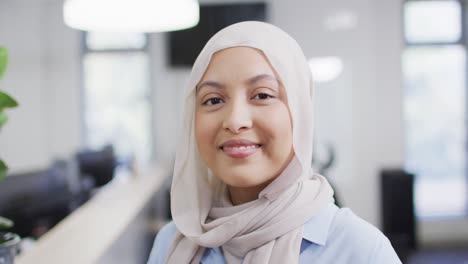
x=362, y=113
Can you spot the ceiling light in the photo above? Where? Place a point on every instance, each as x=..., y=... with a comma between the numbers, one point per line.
x=325, y=69
x=131, y=15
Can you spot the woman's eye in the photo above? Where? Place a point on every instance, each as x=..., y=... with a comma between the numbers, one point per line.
x=262, y=96
x=213, y=101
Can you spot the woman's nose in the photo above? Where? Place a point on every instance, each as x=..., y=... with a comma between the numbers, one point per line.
x=237, y=118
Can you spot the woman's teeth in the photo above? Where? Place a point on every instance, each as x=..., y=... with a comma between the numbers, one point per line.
x=242, y=147
x=240, y=151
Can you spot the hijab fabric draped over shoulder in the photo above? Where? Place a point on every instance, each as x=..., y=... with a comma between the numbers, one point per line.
x=268, y=229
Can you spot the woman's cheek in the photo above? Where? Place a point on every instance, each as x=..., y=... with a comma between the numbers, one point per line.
x=205, y=134
x=280, y=128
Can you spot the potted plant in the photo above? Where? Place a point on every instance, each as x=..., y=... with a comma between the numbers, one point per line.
x=8, y=241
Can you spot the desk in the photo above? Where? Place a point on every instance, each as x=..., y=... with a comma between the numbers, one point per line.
x=91, y=230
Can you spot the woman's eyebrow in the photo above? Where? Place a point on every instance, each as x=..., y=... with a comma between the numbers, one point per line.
x=262, y=77
x=250, y=81
x=209, y=83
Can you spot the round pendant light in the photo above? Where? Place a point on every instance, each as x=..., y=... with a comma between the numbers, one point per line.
x=131, y=15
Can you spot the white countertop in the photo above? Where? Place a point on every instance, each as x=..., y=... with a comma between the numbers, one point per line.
x=83, y=236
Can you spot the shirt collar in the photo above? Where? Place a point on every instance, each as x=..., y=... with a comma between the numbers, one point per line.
x=317, y=228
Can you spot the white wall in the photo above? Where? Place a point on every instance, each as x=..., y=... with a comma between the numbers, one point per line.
x=361, y=111
x=43, y=76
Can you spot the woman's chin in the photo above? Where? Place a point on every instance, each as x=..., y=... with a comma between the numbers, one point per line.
x=244, y=182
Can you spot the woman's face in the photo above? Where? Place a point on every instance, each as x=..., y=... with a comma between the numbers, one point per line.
x=243, y=126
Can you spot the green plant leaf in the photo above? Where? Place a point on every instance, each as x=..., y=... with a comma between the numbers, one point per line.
x=3, y=60
x=5, y=223
x=3, y=119
x=7, y=101
x=3, y=169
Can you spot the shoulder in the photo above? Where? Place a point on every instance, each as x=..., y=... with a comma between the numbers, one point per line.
x=161, y=243
x=362, y=242
x=346, y=224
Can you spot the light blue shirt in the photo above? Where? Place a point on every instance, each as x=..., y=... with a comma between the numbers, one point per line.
x=332, y=236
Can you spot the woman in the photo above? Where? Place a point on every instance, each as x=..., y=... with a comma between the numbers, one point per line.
x=243, y=190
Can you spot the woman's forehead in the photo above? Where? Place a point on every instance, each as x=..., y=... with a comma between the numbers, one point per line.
x=240, y=61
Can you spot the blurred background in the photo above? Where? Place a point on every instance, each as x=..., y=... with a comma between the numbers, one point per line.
x=101, y=107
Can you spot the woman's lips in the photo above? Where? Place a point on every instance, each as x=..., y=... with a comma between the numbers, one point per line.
x=239, y=148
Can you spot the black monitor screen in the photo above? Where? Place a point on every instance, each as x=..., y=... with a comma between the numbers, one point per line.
x=185, y=45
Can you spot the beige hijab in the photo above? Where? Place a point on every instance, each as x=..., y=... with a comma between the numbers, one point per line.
x=269, y=229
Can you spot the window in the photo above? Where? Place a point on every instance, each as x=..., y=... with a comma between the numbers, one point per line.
x=117, y=95
x=434, y=74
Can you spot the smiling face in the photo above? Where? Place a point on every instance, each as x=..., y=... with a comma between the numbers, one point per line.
x=243, y=126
